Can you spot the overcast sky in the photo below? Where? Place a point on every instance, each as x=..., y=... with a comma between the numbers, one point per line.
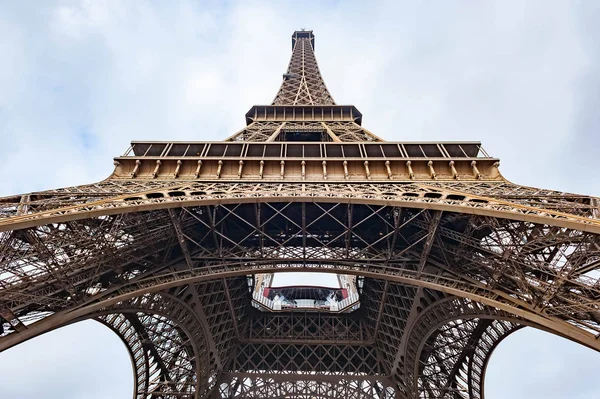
x=80, y=79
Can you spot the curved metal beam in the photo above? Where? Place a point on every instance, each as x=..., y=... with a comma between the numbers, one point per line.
x=449, y=345
x=482, y=354
x=477, y=257
x=406, y=195
x=408, y=277
x=167, y=345
x=140, y=361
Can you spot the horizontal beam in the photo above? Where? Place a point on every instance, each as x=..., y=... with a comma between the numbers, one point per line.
x=307, y=341
x=305, y=377
x=460, y=202
x=390, y=149
x=303, y=113
x=492, y=298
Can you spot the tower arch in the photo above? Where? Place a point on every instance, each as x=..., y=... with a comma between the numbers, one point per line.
x=450, y=256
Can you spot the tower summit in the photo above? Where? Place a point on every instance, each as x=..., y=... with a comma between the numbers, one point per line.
x=303, y=97
x=438, y=258
x=302, y=82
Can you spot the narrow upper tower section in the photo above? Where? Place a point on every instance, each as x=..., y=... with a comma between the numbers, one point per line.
x=302, y=83
x=303, y=109
x=304, y=136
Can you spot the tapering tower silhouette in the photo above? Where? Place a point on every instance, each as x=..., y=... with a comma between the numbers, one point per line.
x=438, y=258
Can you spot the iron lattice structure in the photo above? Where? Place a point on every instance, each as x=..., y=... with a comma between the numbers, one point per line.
x=166, y=252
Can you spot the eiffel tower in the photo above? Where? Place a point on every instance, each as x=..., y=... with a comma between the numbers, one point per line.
x=438, y=258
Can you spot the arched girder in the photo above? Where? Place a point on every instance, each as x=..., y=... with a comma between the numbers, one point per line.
x=168, y=346
x=394, y=309
x=493, y=261
x=115, y=246
x=450, y=366
x=477, y=365
x=140, y=360
x=449, y=346
x=127, y=239
x=430, y=282
x=477, y=198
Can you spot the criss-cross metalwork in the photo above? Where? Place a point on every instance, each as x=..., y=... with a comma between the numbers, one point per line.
x=171, y=252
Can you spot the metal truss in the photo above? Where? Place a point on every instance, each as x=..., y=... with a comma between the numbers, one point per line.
x=451, y=256
x=347, y=131
x=516, y=202
x=402, y=248
x=448, y=347
x=303, y=84
x=512, y=262
x=298, y=327
x=225, y=305
x=303, y=386
x=167, y=344
x=308, y=357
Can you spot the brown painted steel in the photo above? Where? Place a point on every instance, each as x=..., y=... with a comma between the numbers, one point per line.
x=450, y=256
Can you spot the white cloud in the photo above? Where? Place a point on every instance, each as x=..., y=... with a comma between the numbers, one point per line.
x=86, y=361
x=534, y=364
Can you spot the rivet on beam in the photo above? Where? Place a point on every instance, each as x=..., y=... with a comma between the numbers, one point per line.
x=431, y=170
x=197, y=174
x=260, y=170
x=137, y=167
x=219, y=169
x=324, y=170
x=155, y=173
x=453, y=169
x=240, y=169
x=475, y=170
x=303, y=163
x=411, y=174
x=389, y=170
x=23, y=206
x=368, y=172
x=176, y=174
x=282, y=172
x=346, y=174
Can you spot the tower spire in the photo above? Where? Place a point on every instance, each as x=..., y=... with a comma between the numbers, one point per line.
x=303, y=109
x=302, y=83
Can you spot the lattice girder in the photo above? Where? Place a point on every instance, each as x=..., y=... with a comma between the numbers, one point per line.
x=448, y=346
x=307, y=357
x=337, y=131
x=168, y=347
x=303, y=386
x=300, y=327
x=303, y=84
x=518, y=203
x=452, y=257
x=249, y=238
